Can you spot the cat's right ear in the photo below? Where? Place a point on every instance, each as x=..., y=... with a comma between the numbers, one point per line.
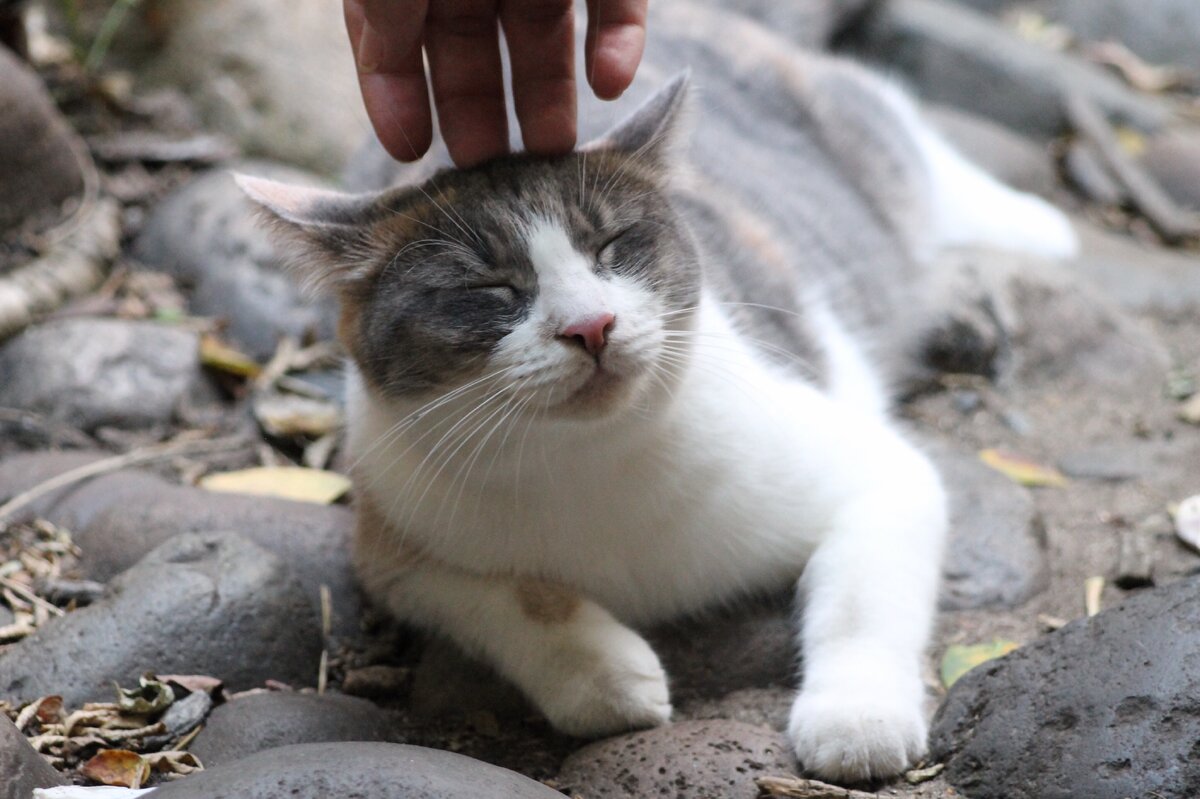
x=654, y=131
x=322, y=233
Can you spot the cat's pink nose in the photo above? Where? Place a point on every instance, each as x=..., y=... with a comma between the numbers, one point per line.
x=590, y=333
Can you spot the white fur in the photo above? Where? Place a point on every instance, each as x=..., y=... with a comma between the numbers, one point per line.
x=721, y=476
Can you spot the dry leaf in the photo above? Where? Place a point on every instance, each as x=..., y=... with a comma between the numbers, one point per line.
x=151, y=696
x=117, y=767
x=1190, y=410
x=917, y=776
x=194, y=682
x=1187, y=521
x=224, y=358
x=285, y=482
x=291, y=415
x=961, y=658
x=1022, y=470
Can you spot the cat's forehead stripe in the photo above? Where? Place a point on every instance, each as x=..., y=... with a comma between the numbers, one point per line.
x=550, y=249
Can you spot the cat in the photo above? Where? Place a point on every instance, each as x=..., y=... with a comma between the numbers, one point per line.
x=593, y=392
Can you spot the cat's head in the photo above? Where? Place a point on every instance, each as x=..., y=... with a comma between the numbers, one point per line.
x=563, y=281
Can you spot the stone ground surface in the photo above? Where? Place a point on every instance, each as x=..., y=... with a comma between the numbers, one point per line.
x=1085, y=368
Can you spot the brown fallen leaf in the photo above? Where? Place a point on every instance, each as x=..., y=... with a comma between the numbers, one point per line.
x=800, y=788
x=285, y=482
x=118, y=767
x=194, y=682
x=1022, y=470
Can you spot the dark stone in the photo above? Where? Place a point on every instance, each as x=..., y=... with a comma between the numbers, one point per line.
x=962, y=58
x=689, y=760
x=205, y=603
x=208, y=237
x=996, y=552
x=250, y=724
x=1006, y=155
x=96, y=372
x=1090, y=175
x=1105, y=708
x=116, y=517
x=359, y=770
x=21, y=768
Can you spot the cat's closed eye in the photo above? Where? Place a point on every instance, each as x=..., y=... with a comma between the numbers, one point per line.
x=502, y=291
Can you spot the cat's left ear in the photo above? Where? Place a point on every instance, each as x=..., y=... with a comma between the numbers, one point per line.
x=323, y=233
x=656, y=130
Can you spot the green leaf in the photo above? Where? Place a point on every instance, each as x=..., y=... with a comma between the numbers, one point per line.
x=151, y=696
x=961, y=658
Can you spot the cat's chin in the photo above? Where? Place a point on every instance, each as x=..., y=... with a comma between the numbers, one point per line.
x=603, y=394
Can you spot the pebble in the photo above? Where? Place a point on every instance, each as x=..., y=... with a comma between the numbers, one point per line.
x=206, y=235
x=21, y=768
x=359, y=770
x=250, y=724
x=91, y=373
x=996, y=552
x=1114, y=714
x=116, y=517
x=1112, y=463
x=202, y=603
x=686, y=760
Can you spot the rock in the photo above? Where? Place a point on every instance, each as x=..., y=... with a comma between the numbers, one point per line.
x=1174, y=160
x=103, y=372
x=378, y=682
x=996, y=552
x=1037, y=324
x=1112, y=463
x=1160, y=31
x=116, y=517
x=282, y=84
x=962, y=58
x=760, y=707
x=205, y=603
x=1090, y=175
x=448, y=682
x=1008, y=156
x=1137, y=276
x=244, y=726
x=360, y=770
x=1114, y=713
x=41, y=165
x=22, y=767
x=208, y=237
x=688, y=760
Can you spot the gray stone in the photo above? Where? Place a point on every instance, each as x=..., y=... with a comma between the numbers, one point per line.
x=1161, y=31
x=282, y=84
x=962, y=58
x=21, y=768
x=359, y=770
x=996, y=552
x=1137, y=276
x=116, y=517
x=250, y=724
x=1174, y=160
x=1112, y=462
x=688, y=760
x=198, y=604
x=208, y=237
x=1090, y=175
x=1006, y=155
x=103, y=372
x=1104, y=708
x=807, y=23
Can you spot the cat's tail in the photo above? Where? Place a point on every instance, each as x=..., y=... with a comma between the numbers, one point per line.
x=930, y=194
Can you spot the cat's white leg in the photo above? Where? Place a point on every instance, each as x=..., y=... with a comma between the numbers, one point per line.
x=588, y=673
x=869, y=595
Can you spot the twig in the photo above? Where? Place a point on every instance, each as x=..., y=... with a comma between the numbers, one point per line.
x=1093, y=588
x=798, y=788
x=115, y=463
x=1171, y=222
x=29, y=596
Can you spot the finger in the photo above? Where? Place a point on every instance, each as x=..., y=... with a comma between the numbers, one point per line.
x=386, y=40
x=541, y=45
x=462, y=42
x=613, y=48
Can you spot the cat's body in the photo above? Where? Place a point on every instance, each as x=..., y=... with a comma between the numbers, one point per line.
x=618, y=387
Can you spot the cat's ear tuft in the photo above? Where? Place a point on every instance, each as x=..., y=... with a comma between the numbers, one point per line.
x=320, y=232
x=655, y=130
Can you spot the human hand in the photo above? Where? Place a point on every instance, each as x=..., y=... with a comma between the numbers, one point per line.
x=460, y=38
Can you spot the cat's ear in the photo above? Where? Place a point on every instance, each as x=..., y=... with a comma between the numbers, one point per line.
x=655, y=130
x=322, y=233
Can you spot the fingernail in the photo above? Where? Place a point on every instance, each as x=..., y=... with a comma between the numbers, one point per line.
x=370, y=49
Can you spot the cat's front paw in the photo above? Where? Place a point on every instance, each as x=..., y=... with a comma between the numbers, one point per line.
x=608, y=688
x=848, y=737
